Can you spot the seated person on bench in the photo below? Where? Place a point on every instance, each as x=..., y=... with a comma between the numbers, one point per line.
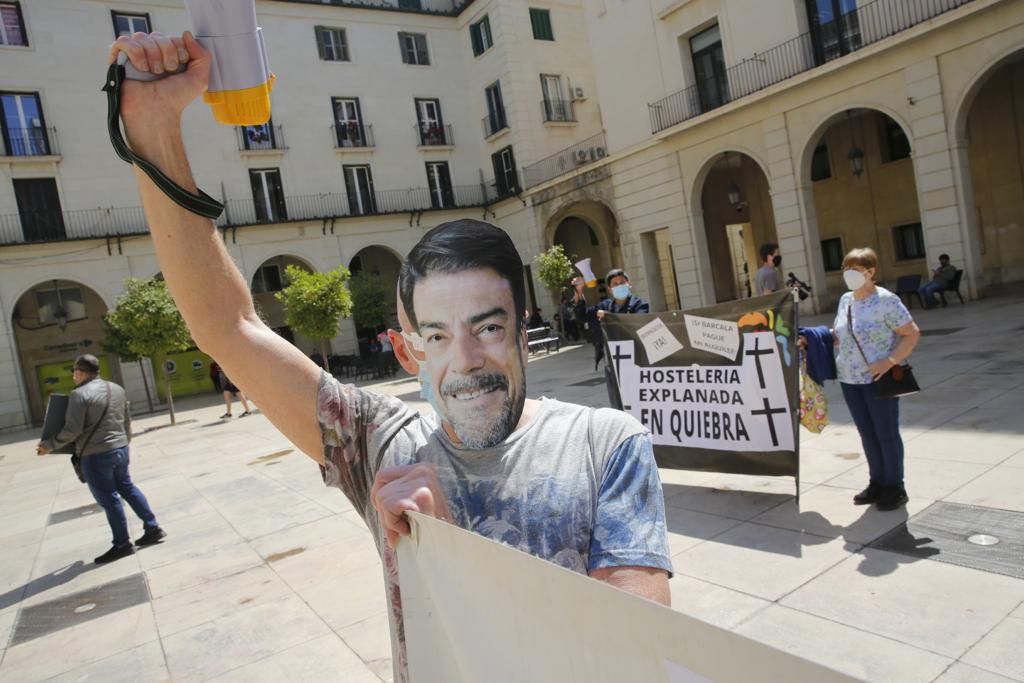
x=942, y=278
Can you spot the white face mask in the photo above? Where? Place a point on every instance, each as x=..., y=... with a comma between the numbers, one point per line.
x=854, y=279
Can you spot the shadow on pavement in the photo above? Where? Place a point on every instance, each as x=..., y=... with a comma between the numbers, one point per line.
x=56, y=578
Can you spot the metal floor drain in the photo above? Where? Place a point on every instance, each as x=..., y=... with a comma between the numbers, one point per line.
x=78, y=608
x=73, y=513
x=943, y=531
x=941, y=331
x=596, y=381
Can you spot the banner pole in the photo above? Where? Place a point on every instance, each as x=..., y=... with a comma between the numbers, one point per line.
x=796, y=413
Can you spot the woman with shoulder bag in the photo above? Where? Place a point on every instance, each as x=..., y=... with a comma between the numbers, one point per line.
x=875, y=333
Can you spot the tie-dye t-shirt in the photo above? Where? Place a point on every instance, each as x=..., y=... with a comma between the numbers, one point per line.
x=875, y=319
x=575, y=486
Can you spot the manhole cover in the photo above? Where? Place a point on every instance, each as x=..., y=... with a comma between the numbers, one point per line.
x=78, y=608
x=978, y=537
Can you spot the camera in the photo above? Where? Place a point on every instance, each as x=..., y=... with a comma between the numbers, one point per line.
x=803, y=289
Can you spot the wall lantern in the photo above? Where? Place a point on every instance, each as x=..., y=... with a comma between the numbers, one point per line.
x=856, y=159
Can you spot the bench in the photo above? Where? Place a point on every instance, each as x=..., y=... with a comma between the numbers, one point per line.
x=954, y=287
x=541, y=337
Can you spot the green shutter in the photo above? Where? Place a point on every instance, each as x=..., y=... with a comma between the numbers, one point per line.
x=474, y=36
x=540, y=19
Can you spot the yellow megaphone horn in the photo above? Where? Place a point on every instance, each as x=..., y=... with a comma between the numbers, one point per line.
x=587, y=273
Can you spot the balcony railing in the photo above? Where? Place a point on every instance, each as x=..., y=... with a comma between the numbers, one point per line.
x=352, y=134
x=260, y=138
x=858, y=28
x=30, y=142
x=558, y=111
x=55, y=226
x=494, y=123
x=434, y=135
x=568, y=159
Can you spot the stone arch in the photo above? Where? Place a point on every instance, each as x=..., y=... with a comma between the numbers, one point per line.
x=53, y=321
x=728, y=235
x=268, y=278
x=879, y=207
x=383, y=262
x=985, y=138
x=587, y=228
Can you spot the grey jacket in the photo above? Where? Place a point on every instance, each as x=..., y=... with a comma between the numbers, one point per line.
x=85, y=405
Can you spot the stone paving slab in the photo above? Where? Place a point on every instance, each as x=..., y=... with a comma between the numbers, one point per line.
x=267, y=575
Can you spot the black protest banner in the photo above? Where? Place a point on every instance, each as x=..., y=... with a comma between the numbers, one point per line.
x=717, y=387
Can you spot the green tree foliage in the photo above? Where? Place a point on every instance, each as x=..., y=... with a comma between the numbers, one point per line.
x=146, y=323
x=315, y=303
x=372, y=302
x=554, y=269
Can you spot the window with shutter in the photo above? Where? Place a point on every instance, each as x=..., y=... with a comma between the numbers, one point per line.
x=540, y=19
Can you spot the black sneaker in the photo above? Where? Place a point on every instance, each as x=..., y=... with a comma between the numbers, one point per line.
x=246, y=414
x=892, y=499
x=151, y=537
x=115, y=553
x=868, y=495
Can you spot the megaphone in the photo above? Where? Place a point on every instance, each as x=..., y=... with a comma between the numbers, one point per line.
x=240, y=76
x=588, y=274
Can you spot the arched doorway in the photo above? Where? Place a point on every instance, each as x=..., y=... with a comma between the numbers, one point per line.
x=989, y=140
x=738, y=218
x=374, y=282
x=859, y=168
x=54, y=322
x=268, y=279
x=584, y=229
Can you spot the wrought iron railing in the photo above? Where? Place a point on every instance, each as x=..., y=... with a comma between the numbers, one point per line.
x=54, y=226
x=260, y=138
x=568, y=159
x=30, y=142
x=434, y=135
x=352, y=134
x=494, y=123
x=558, y=110
x=823, y=43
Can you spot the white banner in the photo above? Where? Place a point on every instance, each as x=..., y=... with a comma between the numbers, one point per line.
x=476, y=610
x=725, y=407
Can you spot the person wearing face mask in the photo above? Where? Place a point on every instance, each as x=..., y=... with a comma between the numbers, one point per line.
x=766, y=280
x=622, y=299
x=877, y=320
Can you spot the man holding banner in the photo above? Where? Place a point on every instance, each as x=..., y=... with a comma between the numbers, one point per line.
x=573, y=485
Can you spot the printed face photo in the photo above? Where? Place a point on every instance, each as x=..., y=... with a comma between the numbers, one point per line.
x=475, y=353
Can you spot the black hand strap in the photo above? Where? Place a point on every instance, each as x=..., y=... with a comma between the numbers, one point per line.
x=849, y=323
x=202, y=203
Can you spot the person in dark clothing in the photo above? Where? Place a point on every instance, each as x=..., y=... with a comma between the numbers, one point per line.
x=621, y=299
x=98, y=422
x=535, y=320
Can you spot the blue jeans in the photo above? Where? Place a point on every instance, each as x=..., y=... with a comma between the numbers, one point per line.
x=109, y=481
x=878, y=422
x=929, y=290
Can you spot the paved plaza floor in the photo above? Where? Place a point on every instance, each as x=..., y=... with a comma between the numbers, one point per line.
x=269, y=576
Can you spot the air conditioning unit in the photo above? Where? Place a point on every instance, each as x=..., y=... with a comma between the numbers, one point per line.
x=598, y=152
x=582, y=156
x=578, y=94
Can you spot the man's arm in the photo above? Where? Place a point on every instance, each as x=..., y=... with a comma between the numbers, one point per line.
x=207, y=287
x=629, y=548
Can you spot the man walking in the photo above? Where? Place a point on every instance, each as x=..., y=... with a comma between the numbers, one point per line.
x=98, y=422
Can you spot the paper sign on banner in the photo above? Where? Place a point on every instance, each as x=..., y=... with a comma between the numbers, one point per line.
x=715, y=336
x=658, y=341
